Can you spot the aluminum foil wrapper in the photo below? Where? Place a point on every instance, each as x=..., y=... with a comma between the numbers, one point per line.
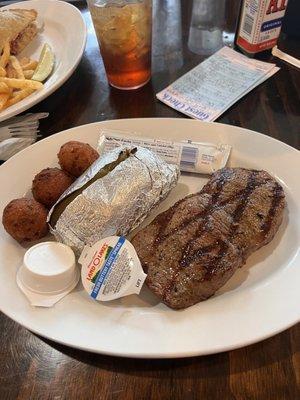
x=116, y=203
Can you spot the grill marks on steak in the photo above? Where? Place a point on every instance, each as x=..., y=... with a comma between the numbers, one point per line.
x=193, y=248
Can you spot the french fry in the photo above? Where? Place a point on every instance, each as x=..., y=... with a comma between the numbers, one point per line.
x=16, y=65
x=4, y=88
x=15, y=78
x=15, y=93
x=3, y=100
x=24, y=61
x=32, y=64
x=28, y=74
x=5, y=55
x=22, y=83
x=10, y=71
x=22, y=94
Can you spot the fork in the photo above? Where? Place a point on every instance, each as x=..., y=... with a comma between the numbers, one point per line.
x=24, y=126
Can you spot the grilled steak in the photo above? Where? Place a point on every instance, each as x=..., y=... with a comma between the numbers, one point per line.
x=192, y=249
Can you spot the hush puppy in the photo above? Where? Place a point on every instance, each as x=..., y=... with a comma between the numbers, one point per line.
x=25, y=219
x=76, y=157
x=49, y=184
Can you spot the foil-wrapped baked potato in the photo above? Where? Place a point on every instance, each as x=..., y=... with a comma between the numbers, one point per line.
x=112, y=197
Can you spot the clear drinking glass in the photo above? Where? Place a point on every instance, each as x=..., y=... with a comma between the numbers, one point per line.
x=123, y=29
x=205, y=36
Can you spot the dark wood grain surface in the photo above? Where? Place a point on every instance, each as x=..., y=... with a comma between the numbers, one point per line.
x=34, y=368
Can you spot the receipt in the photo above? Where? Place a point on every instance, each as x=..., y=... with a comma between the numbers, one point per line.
x=213, y=86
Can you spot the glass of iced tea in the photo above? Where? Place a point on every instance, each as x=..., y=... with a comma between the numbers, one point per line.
x=123, y=29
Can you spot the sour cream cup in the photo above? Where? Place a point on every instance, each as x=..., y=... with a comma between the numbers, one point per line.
x=48, y=273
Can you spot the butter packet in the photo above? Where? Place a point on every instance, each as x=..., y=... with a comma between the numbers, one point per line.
x=111, y=269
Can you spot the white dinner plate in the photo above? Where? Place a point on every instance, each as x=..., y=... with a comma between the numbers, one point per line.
x=260, y=300
x=65, y=31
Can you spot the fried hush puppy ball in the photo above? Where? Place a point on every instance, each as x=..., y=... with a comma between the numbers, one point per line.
x=25, y=219
x=76, y=157
x=49, y=184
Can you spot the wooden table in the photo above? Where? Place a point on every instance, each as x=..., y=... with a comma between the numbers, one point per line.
x=34, y=368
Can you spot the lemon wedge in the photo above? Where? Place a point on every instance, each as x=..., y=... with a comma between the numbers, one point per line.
x=45, y=65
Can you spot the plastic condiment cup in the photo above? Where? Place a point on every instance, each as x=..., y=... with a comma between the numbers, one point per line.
x=48, y=273
x=111, y=269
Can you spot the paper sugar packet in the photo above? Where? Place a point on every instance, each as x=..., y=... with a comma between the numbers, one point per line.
x=216, y=84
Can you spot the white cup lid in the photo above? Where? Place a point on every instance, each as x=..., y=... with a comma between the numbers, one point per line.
x=48, y=268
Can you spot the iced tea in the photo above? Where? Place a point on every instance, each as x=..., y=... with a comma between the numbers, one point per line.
x=124, y=29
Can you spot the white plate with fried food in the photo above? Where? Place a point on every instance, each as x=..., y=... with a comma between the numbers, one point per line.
x=261, y=299
x=55, y=23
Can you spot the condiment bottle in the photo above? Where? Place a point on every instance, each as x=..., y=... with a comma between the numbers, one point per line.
x=259, y=25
